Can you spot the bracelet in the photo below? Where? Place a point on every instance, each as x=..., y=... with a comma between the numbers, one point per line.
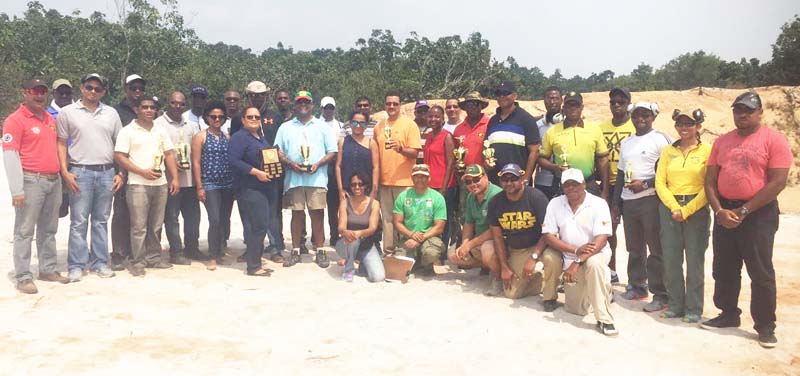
x=716, y=213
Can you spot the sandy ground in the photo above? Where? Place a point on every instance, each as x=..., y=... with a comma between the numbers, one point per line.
x=305, y=320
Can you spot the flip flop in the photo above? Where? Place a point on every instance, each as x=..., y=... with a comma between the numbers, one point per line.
x=261, y=273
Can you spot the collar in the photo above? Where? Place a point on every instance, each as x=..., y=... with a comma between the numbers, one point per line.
x=135, y=124
x=100, y=105
x=178, y=123
x=54, y=106
x=677, y=143
x=26, y=112
x=587, y=202
x=499, y=110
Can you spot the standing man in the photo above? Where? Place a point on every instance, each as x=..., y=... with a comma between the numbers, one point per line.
x=545, y=180
x=362, y=104
x=31, y=162
x=232, y=106
x=512, y=133
x=397, y=156
x=307, y=145
x=421, y=109
x=453, y=112
x=635, y=195
x=185, y=202
x=615, y=130
x=328, y=105
x=62, y=96
x=199, y=95
x=137, y=147
x=283, y=101
x=747, y=169
x=121, y=217
x=515, y=219
x=87, y=169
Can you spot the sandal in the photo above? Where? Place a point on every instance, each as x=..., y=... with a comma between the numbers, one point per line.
x=261, y=273
x=276, y=257
x=212, y=265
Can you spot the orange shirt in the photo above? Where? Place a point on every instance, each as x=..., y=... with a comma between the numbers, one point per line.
x=473, y=139
x=396, y=167
x=34, y=139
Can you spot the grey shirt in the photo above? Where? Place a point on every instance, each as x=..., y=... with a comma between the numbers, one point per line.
x=180, y=132
x=93, y=134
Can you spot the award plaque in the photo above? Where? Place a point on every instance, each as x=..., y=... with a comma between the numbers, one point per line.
x=270, y=162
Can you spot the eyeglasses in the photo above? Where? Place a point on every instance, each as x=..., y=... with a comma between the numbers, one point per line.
x=356, y=184
x=471, y=181
x=362, y=105
x=684, y=124
x=216, y=117
x=743, y=110
x=502, y=93
x=231, y=99
x=148, y=107
x=96, y=89
x=470, y=104
x=136, y=88
x=39, y=90
x=329, y=107
x=362, y=124
x=302, y=102
x=509, y=178
x=392, y=104
x=252, y=117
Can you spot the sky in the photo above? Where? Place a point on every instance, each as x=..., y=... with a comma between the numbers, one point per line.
x=579, y=37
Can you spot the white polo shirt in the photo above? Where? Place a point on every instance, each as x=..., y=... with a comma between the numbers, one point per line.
x=142, y=145
x=576, y=229
x=180, y=131
x=642, y=152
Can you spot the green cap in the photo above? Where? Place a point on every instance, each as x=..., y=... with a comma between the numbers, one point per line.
x=303, y=94
x=474, y=171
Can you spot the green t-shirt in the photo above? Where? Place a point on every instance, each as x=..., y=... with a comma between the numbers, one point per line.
x=476, y=213
x=419, y=211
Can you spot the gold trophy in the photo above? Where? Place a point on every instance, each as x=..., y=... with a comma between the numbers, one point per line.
x=488, y=154
x=563, y=156
x=460, y=153
x=183, y=152
x=158, y=159
x=387, y=134
x=628, y=173
x=305, y=151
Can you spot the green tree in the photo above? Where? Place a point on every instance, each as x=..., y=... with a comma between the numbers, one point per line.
x=784, y=69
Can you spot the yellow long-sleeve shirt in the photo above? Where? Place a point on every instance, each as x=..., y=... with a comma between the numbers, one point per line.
x=679, y=174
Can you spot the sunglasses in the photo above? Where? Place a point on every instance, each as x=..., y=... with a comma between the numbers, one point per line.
x=392, y=104
x=329, y=107
x=468, y=181
x=148, y=107
x=509, y=178
x=743, y=110
x=96, y=89
x=362, y=105
x=136, y=88
x=502, y=93
x=252, y=117
x=362, y=124
x=231, y=99
x=685, y=124
x=37, y=90
x=216, y=117
x=356, y=184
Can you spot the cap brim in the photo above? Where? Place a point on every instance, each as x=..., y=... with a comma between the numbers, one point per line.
x=421, y=173
x=303, y=97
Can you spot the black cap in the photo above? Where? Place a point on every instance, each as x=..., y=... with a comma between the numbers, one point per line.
x=749, y=99
x=94, y=76
x=574, y=97
x=199, y=89
x=30, y=84
x=507, y=85
x=625, y=92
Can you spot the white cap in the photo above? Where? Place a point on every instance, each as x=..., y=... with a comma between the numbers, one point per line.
x=652, y=106
x=256, y=87
x=572, y=174
x=326, y=101
x=134, y=77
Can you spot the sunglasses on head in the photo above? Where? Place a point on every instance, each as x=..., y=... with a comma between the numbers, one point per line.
x=502, y=93
x=252, y=117
x=216, y=117
x=96, y=89
x=509, y=178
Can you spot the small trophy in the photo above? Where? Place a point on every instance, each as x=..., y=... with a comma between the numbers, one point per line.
x=488, y=154
x=460, y=153
x=158, y=159
x=387, y=134
x=305, y=151
x=183, y=152
x=628, y=173
x=563, y=156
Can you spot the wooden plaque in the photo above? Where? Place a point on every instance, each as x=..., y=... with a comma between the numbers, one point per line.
x=270, y=162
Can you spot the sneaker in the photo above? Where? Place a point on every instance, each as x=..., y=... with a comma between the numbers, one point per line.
x=670, y=314
x=27, y=287
x=53, y=277
x=655, y=305
x=767, y=340
x=322, y=259
x=179, y=259
x=303, y=249
x=691, y=318
x=196, y=255
x=614, y=277
x=721, y=321
x=550, y=305
x=293, y=259
x=118, y=263
x=137, y=271
x=160, y=265
x=104, y=272
x=607, y=329
x=634, y=295
x=347, y=277
x=75, y=275
x=495, y=289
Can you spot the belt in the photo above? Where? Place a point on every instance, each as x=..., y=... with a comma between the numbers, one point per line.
x=684, y=198
x=41, y=175
x=96, y=167
x=731, y=204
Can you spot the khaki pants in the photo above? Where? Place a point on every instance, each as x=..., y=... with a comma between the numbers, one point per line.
x=591, y=290
x=426, y=253
x=386, y=195
x=546, y=284
x=475, y=257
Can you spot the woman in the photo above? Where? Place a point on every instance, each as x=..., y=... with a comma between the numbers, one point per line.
x=358, y=223
x=438, y=155
x=684, y=216
x=213, y=179
x=251, y=187
x=357, y=152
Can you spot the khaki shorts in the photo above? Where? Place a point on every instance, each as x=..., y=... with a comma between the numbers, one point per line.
x=474, y=253
x=300, y=198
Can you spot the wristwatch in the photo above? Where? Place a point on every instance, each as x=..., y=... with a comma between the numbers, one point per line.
x=744, y=210
x=645, y=185
x=535, y=256
x=578, y=261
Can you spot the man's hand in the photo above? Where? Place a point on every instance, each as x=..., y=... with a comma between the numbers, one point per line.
x=728, y=219
x=174, y=187
x=117, y=183
x=69, y=180
x=150, y=174
x=18, y=201
x=585, y=249
x=411, y=243
x=462, y=251
x=615, y=214
x=636, y=186
x=506, y=274
x=297, y=168
x=418, y=237
x=314, y=168
x=571, y=274
x=529, y=267
x=677, y=216
x=201, y=194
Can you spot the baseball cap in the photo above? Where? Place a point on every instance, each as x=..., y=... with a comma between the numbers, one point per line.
x=59, y=82
x=421, y=103
x=134, y=77
x=696, y=115
x=327, y=101
x=749, y=99
x=94, y=76
x=572, y=174
x=573, y=97
x=511, y=168
x=474, y=171
x=652, y=106
x=30, y=84
x=625, y=92
x=420, y=169
x=506, y=86
x=303, y=94
x=198, y=89
x=256, y=87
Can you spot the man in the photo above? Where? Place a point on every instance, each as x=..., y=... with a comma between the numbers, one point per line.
x=199, y=95
x=283, y=101
x=577, y=226
x=421, y=109
x=419, y=216
x=512, y=133
x=138, y=145
x=185, y=202
x=232, y=101
x=62, y=96
x=477, y=247
x=120, y=220
x=515, y=219
x=31, y=162
x=635, y=196
x=453, y=115
x=615, y=130
x=397, y=156
x=307, y=146
x=362, y=104
x=545, y=180
x=574, y=143
x=747, y=169
x=87, y=169
x=328, y=105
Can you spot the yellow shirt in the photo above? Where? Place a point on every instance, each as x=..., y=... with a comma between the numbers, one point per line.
x=580, y=146
x=396, y=167
x=613, y=136
x=679, y=174
x=142, y=146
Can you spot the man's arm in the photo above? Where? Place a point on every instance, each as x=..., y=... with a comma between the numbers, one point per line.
x=16, y=182
x=603, y=168
x=172, y=169
x=399, y=226
x=533, y=157
x=776, y=182
x=435, y=230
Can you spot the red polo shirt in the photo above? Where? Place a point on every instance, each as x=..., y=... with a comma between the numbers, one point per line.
x=33, y=138
x=473, y=139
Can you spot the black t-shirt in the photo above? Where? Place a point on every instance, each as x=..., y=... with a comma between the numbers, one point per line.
x=510, y=139
x=521, y=221
x=270, y=121
x=126, y=113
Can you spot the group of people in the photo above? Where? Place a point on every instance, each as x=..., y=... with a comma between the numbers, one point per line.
x=533, y=201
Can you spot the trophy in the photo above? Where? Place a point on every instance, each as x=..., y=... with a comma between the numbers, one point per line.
x=387, y=134
x=628, y=173
x=460, y=153
x=305, y=151
x=158, y=159
x=270, y=163
x=488, y=154
x=183, y=152
x=563, y=156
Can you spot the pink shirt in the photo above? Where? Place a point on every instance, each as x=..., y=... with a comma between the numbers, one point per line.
x=743, y=161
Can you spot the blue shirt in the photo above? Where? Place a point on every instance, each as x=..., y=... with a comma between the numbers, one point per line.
x=244, y=152
x=316, y=133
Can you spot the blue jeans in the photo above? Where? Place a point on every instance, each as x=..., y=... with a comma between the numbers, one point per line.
x=219, y=203
x=254, y=206
x=185, y=204
x=93, y=199
x=39, y=215
x=371, y=263
x=276, y=242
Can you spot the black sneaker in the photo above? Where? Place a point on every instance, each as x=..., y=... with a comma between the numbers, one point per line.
x=179, y=259
x=720, y=322
x=322, y=259
x=767, y=340
x=196, y=255
x=118, y=263
x=608, y=330
x=160, y=265
x=293, y=259
x=136, y=271
x=550, y=305
x=303, y=249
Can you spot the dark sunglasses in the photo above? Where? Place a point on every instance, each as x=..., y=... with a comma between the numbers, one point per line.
x=743, y=110
x=96, y=89
x=502, y=93
x=356, y=184
x=685, y=124
x=509, y=178
x=362, y=105
x=392, y=104
x=136, y=88
x=216, y=117
x=362, y=124
x=37, y=90
x=231, y=99
x=252, y=117
x=468, y=181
